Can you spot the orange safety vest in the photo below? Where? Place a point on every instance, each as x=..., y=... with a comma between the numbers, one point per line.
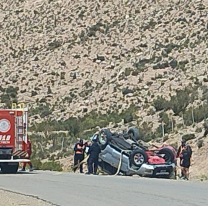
x=80, y=147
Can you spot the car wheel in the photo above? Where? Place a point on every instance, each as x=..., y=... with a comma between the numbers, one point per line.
x=134, y=133
x=104, y=137
x=138, y=157
x=168, y=154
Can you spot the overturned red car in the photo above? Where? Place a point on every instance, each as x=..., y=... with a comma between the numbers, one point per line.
x=121, y=153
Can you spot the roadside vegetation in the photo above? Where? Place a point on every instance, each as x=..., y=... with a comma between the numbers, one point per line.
x=144, y=67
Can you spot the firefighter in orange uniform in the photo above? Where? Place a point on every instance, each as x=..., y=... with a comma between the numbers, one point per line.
x=29, y=152
x=79, y=149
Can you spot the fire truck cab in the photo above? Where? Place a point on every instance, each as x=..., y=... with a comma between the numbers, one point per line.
x=13, y=137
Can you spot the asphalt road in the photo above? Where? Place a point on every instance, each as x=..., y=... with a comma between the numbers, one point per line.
x=68, y=189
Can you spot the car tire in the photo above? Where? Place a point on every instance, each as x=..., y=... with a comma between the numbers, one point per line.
x=169, y=156
x=103, y=141
x=138, y=157
x=135, y=133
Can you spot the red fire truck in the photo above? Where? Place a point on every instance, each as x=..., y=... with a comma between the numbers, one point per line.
x=13, y=137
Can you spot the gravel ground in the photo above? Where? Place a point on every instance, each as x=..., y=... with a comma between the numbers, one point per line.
x=13, y=199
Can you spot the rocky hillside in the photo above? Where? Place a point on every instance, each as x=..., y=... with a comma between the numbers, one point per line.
x=79, y=58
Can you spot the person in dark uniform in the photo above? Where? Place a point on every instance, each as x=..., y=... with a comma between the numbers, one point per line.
x=179, y=152
x=183, y=143
x=93, y=153
x=185, y=161
x=79, y=149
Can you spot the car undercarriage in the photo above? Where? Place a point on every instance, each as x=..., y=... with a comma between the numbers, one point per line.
x=121, y=153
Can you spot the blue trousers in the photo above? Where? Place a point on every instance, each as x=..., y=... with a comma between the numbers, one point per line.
x=92, y=164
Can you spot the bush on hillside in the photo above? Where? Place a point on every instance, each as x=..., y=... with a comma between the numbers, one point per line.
x=196, y=114
x=161, y=103
x=200, y=143
x=188, y=137
x=167, y=122
x=9, y=96
x=42, y=109
x=178, y=102
x=145, y=132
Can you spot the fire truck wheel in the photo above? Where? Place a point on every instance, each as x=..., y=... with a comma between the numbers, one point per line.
x=9, y=169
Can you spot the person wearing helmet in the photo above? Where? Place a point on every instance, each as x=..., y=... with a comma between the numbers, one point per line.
x=93, y=153
x=79, y=149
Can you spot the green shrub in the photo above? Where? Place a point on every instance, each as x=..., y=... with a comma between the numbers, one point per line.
x=188, y=117
x=180, y=125
x=160, y=103
x=158, y=131
x=52, y=157
x=200, y=143
x=135, y=72
x=148, y=137
x=128, y=71
x=52, y=166
x=63, y=75
x=187, y=137
x=151, y=111
x=37, y=164
x=128, y=118
x=43, y=100
x=2, y=89
x=42, y=110
x=126, y=91
x=167, y=122
x=178, y=102
x=203, y=177
x=200, y=113
x=53, y=45
x=145, y=132
x=198, y=129
x=33, y=93
x=149, y=83
x=40, y=154
x=140, y=66
x=9, y=96
x=49, y=90
x=68, y=99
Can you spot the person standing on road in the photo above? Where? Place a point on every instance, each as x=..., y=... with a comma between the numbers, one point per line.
x=29, y=152
x=179, y=153
x=185, y=162
x=93, y=153
x=79, y=149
